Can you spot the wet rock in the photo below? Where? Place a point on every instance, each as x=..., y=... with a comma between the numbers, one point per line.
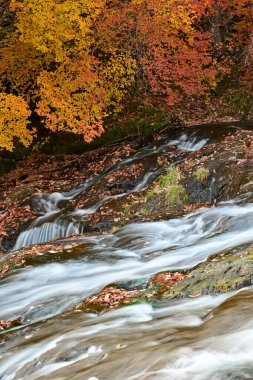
x=42, y=173
x=7, y=325
x=228, y=163
x=220, y=276
x=113, y=297
x=20, y=258
x=115, y=198
x=108, y=298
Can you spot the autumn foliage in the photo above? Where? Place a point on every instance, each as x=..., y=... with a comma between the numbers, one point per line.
x=76, y=61
x=72, y=98
x=14, y=113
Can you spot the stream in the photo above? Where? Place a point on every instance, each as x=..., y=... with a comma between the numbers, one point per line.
x=208, y=337
x=56, y=222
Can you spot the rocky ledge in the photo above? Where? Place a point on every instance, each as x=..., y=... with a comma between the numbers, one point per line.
x=221, y=274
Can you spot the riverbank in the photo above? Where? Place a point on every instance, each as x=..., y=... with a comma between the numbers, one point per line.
x=206, y=177
x=170, y=177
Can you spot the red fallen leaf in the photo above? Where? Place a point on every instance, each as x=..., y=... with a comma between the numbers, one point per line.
x=168, y=279
x=5, y=269
x=5, y=324
x=111, y=297
x=107, y=298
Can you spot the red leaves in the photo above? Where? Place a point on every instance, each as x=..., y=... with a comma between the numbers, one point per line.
x=172, y=52
x=19, y=259
x=12, y=218
x=4, y=325
x=81, y=59
x=111, y=297
x=41, y=173
x=5, y=270
x=108, y=298
x=166, y=280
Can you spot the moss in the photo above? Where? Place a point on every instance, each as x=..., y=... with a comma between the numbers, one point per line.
x=167, y=190
x=138, y=118
x=163, y=195
x=202, y=173
x=169, y=187
x=171, y=178
x=230, y=273
x=175, y=195
x=144, y=212
x=127, y=207
x=150, y=193
x=114, y=229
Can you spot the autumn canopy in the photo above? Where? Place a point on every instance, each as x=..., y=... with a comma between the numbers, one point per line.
x=73, y=63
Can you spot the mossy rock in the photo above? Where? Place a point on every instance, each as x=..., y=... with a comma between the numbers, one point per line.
x=229, y=273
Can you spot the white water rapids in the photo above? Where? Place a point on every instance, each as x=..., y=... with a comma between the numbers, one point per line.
x=54, y=224
x=205, y=338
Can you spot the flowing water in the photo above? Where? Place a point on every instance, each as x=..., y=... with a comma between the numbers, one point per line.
x=203, y=338
x=55, y=223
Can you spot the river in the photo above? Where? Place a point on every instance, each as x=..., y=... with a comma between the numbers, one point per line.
x=208, y=337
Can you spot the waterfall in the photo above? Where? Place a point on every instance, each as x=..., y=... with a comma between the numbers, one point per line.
x=55, y=223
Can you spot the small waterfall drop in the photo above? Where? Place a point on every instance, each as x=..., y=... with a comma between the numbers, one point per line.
x=190, y=143
x=55, y=223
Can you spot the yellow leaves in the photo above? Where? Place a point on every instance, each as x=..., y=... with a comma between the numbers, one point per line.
x=118, y=74
x=20, y=66
x=79, y=59
x=73, y=98
x=71, y=94
x=57, y=28
x=14, y=113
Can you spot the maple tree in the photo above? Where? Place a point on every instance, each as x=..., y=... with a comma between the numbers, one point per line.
x=181, y=50
x=20, y=65
x=78, y=60
x=73, y=99
x=60, y=29
x=14, y=113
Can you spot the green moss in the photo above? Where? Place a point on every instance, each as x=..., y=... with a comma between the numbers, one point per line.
x=233, y=271
x=175, y=195
x=167, y=191
x=202, y=173
x=114, y=229
x=150, y=193
x=127, y=209
x=169, y=187
x=137, y=119
x=230, y=273
x=144, y=212
x=171, y=178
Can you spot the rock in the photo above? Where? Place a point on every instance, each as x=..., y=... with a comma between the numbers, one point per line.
x=229, y=273
x=221, y=274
